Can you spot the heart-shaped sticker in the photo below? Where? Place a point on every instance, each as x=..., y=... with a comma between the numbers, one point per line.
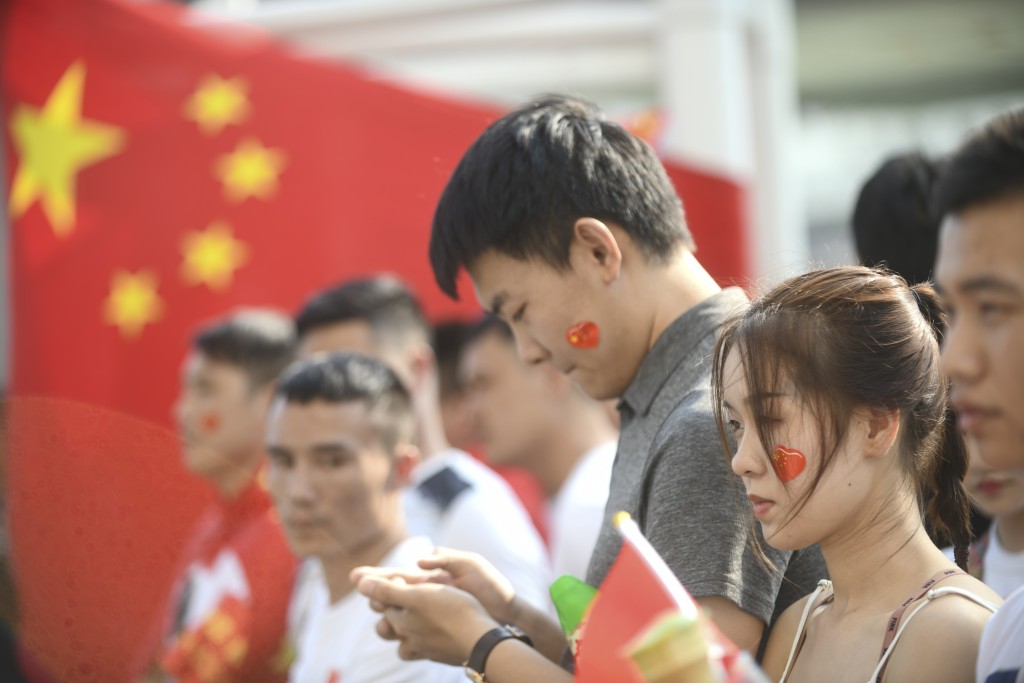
x=788, y=463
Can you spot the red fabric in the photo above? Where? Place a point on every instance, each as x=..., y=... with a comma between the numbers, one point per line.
x=248, y=527
x=628, y=602
x=101, y=505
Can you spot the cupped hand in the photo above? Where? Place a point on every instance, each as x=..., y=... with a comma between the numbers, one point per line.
x=431, y=620
x=478, y=577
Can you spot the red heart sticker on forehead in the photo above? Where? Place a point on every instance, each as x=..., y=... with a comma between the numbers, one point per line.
x=788, y=463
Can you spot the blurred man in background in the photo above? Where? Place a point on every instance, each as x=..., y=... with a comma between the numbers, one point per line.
x=533, y=416
x=227, y=616
x=980, y=274
x=453, y=499
x=340, y=439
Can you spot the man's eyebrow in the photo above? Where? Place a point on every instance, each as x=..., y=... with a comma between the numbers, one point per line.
x=984, y=283
x=332, y=447
x=497, y=302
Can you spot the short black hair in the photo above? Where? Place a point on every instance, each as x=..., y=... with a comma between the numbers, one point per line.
x=342, y=377
x=260, y=341
x=383, y=302
x=988, y=165
x=524, y=182
x=893, y=221
x=449, y=339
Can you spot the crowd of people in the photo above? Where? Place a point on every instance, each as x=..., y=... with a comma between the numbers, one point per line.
x=806, y=460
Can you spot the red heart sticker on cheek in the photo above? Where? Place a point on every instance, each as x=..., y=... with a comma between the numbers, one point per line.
x=210, y=422
x=788, y=463
x=584, y=335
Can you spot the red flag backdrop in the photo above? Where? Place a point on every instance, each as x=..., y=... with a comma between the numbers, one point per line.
x=158, y=175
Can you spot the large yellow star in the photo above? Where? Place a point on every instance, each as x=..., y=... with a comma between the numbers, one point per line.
x=218, y=102
x=249, y=171
x=133, y=302
x=53, y=145
x=212, y=256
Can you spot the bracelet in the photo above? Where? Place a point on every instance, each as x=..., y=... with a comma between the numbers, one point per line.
x=478, y=657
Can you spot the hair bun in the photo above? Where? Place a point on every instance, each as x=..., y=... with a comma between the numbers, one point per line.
x=930, y=305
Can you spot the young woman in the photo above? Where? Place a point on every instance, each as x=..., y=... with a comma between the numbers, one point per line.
x=830, y=391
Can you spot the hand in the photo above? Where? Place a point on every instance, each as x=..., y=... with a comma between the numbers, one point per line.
x=431, y=620
x=464, y=570
x=478, y=577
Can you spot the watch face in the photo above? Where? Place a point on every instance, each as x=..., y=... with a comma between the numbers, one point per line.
x=474, y=676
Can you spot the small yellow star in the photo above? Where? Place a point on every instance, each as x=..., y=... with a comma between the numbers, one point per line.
x=54, y=144
x=133, y=302
x=249, y=171
x=218, y=102
x=212, y=256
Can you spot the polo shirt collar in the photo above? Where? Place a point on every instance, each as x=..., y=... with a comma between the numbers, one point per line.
x=674, y=345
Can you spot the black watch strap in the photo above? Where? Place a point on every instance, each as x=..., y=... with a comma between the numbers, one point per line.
x=482, y=649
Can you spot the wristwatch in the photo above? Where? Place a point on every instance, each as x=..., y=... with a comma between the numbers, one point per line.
x=478, y=657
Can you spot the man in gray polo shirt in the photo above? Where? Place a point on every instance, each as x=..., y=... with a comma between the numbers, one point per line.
x=572, y=233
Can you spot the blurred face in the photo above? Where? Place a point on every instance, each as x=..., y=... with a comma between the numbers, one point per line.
x=509, y=400
x=840, y=492
x=997, y=493
x=540, y=304
x=219, y=417
x=332, y=481
x=355, y=336
x=980, y=273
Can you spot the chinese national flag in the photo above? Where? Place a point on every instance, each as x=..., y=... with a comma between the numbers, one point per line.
x=158, y=175
x=160, y=171
x=644, y=627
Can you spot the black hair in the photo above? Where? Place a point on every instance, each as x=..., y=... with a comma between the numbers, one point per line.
x=449, y=339
x=532, y=174
x=987, y=166
x=345, y=377
x=383, y=302
x=261, y=342
x=893, y=221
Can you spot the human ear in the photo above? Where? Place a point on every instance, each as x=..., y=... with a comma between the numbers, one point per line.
x=883, y=428
x=406, y=457
x=594, y=246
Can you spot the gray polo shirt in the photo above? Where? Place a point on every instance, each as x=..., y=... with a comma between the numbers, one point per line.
x=673, y=477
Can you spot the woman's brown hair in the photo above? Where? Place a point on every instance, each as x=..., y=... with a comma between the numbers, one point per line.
x=848, y=338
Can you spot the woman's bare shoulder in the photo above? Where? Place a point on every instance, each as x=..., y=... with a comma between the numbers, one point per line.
x=941, y=641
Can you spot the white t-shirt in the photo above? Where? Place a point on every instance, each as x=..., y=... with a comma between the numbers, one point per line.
x=1001, y=654
x=1004, y=571
x=339, y=643
x=577, y=511
x=460, y=503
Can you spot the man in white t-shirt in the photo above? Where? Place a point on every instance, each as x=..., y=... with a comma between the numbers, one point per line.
x=980, y=274
x=340, y=441
x=533, y=416
x=997, y=557
x=453, y=499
